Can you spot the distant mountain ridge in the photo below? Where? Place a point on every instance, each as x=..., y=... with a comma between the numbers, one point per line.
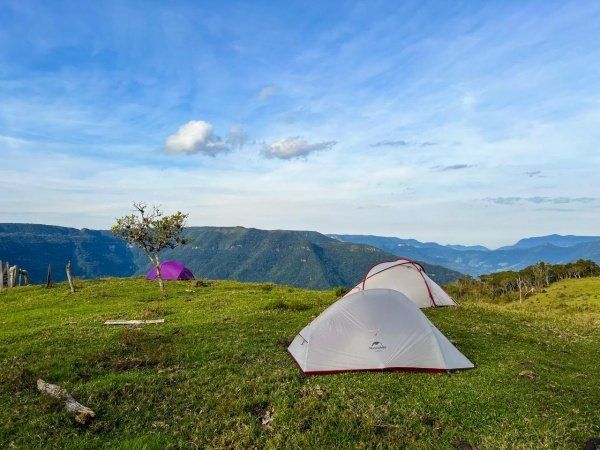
x=301, y=258
x=477, y=260
x=552, y=239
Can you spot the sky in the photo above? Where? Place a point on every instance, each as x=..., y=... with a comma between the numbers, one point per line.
x=456, y=122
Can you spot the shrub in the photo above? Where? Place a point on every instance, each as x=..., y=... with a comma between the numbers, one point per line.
x=340, y=291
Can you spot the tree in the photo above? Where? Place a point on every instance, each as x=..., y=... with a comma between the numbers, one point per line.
x=152, y=231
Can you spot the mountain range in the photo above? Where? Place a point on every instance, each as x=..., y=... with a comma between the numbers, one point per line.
x=300, y=258
x=477, y=260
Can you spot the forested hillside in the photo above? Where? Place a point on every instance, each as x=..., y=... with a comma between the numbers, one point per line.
x=92, y=253
x=300, y=258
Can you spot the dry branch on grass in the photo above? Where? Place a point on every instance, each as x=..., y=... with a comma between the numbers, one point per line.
x=83, y=414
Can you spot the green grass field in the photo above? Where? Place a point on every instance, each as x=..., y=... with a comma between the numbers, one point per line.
x=218, y=368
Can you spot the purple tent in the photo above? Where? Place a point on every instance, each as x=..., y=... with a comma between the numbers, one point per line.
x=171, y=270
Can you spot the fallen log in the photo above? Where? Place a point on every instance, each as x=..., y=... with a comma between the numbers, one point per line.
x=133, y=322
x=83, y=414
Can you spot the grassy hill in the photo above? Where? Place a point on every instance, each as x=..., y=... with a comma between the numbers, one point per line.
x=301, y=258
x=218, y=366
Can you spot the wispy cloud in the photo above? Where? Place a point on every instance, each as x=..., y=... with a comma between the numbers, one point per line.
x=237, y=137
x=399, y=143
x=266, y=92
x=454, y=167
x=403, y=143
x=534, y=173
x=539, y=200
x=294, y=147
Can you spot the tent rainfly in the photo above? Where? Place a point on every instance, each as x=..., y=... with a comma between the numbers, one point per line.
x=407, y=277
x=374, y=330
x=171, y=270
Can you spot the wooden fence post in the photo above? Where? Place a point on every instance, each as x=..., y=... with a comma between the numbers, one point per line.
x=69, y=277
x=49, y=276
x=11, y=276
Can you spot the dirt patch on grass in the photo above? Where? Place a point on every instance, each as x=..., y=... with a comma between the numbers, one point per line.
x=156, y=312
x=203, y=283
x=137, y=349
x=104, y=294
x=18, y=377
x=135, y=363
x=462, y=445
x=285, y=342
x=149, y=299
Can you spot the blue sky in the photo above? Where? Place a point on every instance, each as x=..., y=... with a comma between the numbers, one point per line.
x=459, y=122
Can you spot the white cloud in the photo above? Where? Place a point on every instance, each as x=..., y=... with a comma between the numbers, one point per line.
x=294, y=147
x=266, y=92
x=196, y=136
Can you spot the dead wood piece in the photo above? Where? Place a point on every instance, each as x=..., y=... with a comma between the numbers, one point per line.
x=83, y=414
x=133, y=322
x=528, y=374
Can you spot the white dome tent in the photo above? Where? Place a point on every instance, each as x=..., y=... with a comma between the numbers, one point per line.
x=407, y=277
x=374, y=330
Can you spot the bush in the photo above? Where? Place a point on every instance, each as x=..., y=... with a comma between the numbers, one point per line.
x=511, y=285
x=340, y=291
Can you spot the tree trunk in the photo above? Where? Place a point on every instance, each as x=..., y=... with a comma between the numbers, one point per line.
x=49, y=276
x=82, y=413
x=155, y=260
x=161, y=282
x=69, y=277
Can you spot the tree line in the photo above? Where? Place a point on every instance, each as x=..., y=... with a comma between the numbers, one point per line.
x=512, y=285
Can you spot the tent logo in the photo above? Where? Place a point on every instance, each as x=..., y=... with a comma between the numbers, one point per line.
x=377, y=346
